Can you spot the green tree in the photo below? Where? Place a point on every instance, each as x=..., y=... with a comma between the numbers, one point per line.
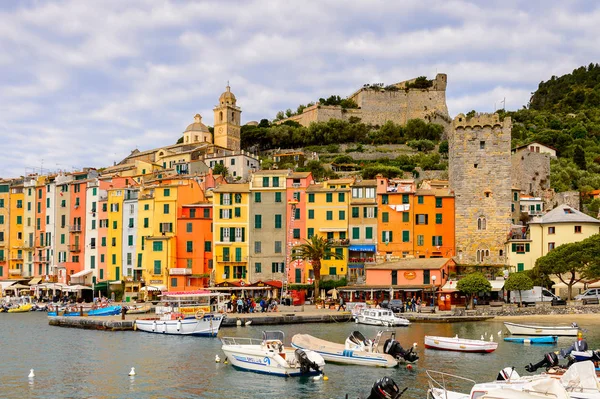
x=443, y=148
x=180, y=140
x=579, y=158
x=313, y=251
x=518, y=282
x=474, y=283
x=421, y=145
x=288, y=112
x=220, y=169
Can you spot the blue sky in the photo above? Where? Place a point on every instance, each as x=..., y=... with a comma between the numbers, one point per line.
x=82, y=83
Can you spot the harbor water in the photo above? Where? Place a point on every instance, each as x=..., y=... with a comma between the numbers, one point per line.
x=73, y=363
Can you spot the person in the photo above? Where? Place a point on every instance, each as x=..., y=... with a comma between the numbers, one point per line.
x=273, y=305
x=419, y=305
x=474, y=302
x=579, y=346
x=413, y=304
x=342, y=304
x=240, y=305
x=263, y=305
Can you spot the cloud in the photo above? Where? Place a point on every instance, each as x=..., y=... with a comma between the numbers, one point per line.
x=84, y=83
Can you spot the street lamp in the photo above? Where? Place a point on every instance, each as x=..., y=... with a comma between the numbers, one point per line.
x=433, y=278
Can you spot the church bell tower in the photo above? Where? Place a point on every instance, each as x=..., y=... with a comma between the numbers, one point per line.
x=227, y=122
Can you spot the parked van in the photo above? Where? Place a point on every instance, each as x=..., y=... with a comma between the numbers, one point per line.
x=530, y=297
x=592, y=293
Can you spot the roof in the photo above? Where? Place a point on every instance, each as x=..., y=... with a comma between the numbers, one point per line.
x=227, y=97
x=565, y=214
x=197, y=126
x=299, y=175
x=318, y=187
x=438, y=192
x=365, y=183
x=533, y=142
x=412, y=264
x=232, y=188
x=283, y=172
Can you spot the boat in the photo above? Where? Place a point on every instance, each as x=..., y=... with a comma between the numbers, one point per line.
x=380, y=317
x=22, y=308
x=358, y=350
x=550, y=339
x=270, y=356
x=530, y=329
x=460, y=344
x=579, y=382
x=186, y=313
x=138, y=309
x=105, y=311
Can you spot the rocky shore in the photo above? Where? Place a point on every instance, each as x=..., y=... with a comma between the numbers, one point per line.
x=541, y=309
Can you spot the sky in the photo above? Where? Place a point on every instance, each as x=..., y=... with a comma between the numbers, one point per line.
x=83, y=83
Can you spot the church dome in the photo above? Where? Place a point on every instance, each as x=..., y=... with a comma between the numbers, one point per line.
x=197, y=126
x=227, y=97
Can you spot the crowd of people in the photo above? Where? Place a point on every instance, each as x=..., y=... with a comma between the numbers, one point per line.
x=249, y=305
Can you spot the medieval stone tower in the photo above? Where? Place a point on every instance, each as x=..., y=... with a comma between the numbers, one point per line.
x=479, y=173
x=227, y=122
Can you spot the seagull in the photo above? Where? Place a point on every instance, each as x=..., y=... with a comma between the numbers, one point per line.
x=248, y=323
x=217, y=359
x=491, y=338
x=500, y=333
x=482, y=338
x=31, y=374
x=132, y=372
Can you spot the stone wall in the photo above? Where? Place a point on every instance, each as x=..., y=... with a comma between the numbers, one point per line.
x=479, y=174
x=570, y=198
x=531, y=172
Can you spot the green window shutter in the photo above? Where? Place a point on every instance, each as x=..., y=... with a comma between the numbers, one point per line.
x=420, y=240
x=438, y=218
x=527, y=247
x=364, y=212
x=238, y=212
x=296, y=233
x=232, y=234
x=62, y=240
x=384, y=199
x=355, y=233
x=329, y=215
x=130, y=240
x=207, y=246
x=440, y=243
x=341, y=197
x=405, y=217
x=166, y=209
x=265, y=182
x=238, y=254
x=340, y=253
x=276, y=182
x=369, y=233
x=188, y=227
x=139, y=260
x=226, y=270
x=310, y=232
x=433, y=240
x=438, y=202
x=342, y=215
x=277, y=221
x=375, y=211
x=146, y=222
x=514, y=247
x=243, y=234
x=332, y=271
x=220, y=213
x=405, y=236
x=311, y=213
x=221, y=234
x=405, y=199
x=226, y=254
x=257, y=267
x=221, y=199
x=157, y=267
x=355, y=211
x=311, y=198
x=277, y=197
x=167, y=192
x=383, y=236
x=420, y=199
x=257, y=197
x=385, y=217
x=189, y=246
x=257, y=221
x=520, y=267
x=297, y=213
x=329, y=197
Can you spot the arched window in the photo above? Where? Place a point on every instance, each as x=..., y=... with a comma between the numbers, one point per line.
x=481, y=223
x=233, y=117
x=221, y=116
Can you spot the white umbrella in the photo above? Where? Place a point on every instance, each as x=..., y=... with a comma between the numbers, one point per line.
x=334, y=293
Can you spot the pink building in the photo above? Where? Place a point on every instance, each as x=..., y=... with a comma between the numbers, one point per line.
x=296, y=185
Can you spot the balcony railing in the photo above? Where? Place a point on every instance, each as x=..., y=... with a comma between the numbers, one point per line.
x=75, y=228
x=368, y=261
x=180, y=271
x=339, y=243
x=2, y=258
x=232, y=258
x=42, y=259
x=74, y=248
x=16, y=257
x=14, y=272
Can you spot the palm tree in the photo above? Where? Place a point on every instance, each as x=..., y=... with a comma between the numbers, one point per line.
x=314, y=250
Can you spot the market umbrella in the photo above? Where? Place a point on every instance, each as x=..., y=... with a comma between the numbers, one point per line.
x=334, y=293
x=17, y=286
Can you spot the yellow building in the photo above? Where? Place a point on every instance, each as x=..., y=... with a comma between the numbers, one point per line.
x=327, y=215
x=114, y=235
x=230, y=233
x=562, y=225
x=4, y=228
x=16, y=257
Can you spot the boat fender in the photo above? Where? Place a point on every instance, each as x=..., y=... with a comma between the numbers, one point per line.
x=178, y=324
x=154, y=326
x=164, y=327
x=134, y=326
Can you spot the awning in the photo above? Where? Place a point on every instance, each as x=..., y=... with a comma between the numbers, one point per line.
x=450, y=286
x=73, y=288
x=497, y=285
x=6, y=284
x=35, y=280
x=116, y=282
x=158, y=287
x=363, y=248
x=82, y=273
x=332, y=229
x=355, y=266
x=595, y=284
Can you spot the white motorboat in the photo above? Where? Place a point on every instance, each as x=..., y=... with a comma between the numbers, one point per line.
x=579, y=382
x=460, y=344
x=358, y=350
x=270, y=356
x=380, y=317
x=529, y=329
x=186, y=313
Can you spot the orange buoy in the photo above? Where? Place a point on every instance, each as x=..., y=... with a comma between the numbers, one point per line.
x=409, y=367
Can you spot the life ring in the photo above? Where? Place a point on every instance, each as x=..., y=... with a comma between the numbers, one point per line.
x=242, y=283
x=200, y=314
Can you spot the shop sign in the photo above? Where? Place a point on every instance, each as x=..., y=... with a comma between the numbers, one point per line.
x=410, y=275
x=156, y=281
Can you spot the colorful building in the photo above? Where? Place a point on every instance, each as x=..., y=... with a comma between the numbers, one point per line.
x=363, y=229
x=433, y=223
x=16, y=259
x=296, y=200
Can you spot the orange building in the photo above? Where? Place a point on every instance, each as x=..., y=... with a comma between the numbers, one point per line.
x=433, y=223
x=77, y=218
x=194, y=247
x=296, y=184
x=395, y=202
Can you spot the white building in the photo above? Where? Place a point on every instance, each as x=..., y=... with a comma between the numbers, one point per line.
x=129, y=223
x=239, y=164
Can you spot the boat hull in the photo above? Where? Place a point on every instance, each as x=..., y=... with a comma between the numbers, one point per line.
x=459, y=345
x=253, y=358
x=550, y=340
x=21, y=309
x=525, y=329
x=107, y=311
x=206, y=326
x=337, y=353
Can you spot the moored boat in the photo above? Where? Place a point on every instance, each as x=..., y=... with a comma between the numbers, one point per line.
x=530, y=329
x=105, y=311
x=358, y=350
x=22, y=308
x=271, y=356
x=460, y=344
x=380, y=317
x=550, y=339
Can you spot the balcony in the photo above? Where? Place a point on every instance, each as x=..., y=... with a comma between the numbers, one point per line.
x=232, y=259
x=74, y=248
x=296, y=185
x=339, y=243
x=180, y=271
x=41, y=259
x=16, y=257
x=14, y=272
x=367, y=261
x=3, y=259
x=75, y=228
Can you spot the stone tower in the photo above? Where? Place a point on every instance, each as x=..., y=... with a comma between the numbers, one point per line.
x=479, y=173
x=227, y=122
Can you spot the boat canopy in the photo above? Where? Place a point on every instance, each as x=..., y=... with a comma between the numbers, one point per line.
x=273, y=336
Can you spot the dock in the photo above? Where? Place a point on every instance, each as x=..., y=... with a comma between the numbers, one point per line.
x=443, y=318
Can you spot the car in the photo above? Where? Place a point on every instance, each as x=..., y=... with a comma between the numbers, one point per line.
x=395, y=305
x=591, y=294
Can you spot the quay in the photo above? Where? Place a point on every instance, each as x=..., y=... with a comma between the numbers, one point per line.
x=286, y=315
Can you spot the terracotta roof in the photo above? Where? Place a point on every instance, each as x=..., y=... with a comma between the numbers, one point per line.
x=365, y=183
x=232, y=188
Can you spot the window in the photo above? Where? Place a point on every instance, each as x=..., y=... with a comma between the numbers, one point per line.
x=189, y=246
x=225, y=213
x=297, y=213
x=520, y=248
x=420, y=199
x=385, y=217
x=329, y=197
x=436, y=241
x=205, y=213
x=577, y=228
x=551, y=246
x=167, y=192
x=329, y=215
x=551, y=230
x=130, y=240
x=157, y=267
x=146, y=223
x=520, y=267
x=368, y=233
x=238, y=198
x=405, y=199
x=422, y=219
x=257, y=267
x=276, y=182
x=278, y=197
x=188, y=227
x=332, y=271
x=340, y=253
x=277, y=247
x=420, y=240
x=237, y=212
x=277, y=267
x=341, y=197
x=265, y=182
x=355, y=211
x=226, y=199
x=438, y=202
x=226, y=254
x=232, y=163
x=257, y=247
x=114, y=224
x=277, y=221
x=296, y=196
x=257, y=221
x=310, y=232
x=481, y=223
x=370, y=192
x=311, y=198
x=146, y=207
x=257, y=197
x=438, y=218
x=357, y=192
x=157, y=246
x=384, y=199
x=342, y=215
x=405, y=217
x=386, y=236
x=482, y=145
x=405, y=236
x=166, y=209
x=20, y=220
x=355, y=233
x=113, y=259
x=131, y=223
x=296, y=234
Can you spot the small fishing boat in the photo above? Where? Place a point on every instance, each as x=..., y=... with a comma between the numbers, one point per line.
x=358, y=350
x=380, y=317
x=105, y=311
x=550, y=339
x=138, y=309
x=529, y=329
x=270, y=356
x=22, y=308
x=460, y=344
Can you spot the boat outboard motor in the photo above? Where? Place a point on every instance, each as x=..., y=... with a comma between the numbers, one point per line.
x=550, y=360
x=393, y=347
x=305, y=363
x=385, y=388
x=507, y=373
